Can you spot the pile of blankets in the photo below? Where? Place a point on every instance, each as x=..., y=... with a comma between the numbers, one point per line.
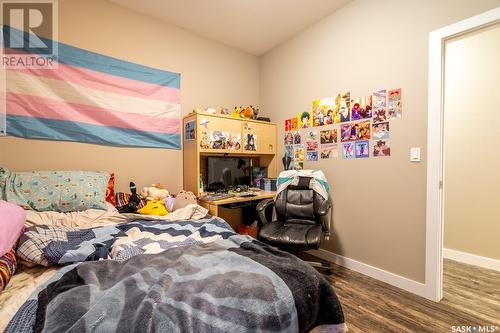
x=171, y=276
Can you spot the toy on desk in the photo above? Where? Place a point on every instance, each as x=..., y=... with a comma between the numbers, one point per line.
x=154, y=192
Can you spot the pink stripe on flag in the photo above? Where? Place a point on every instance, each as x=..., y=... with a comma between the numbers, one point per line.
x=105, y=82
x=39, y=107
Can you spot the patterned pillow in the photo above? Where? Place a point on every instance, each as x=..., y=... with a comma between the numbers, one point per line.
x=8, y=266
x=62, y=191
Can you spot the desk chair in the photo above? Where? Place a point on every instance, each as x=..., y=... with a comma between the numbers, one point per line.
x=302, y=219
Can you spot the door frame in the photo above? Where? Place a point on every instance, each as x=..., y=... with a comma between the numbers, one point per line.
x=435, y=131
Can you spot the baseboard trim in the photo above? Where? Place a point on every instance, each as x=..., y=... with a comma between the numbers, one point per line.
x=472, y=259
x=395, y=280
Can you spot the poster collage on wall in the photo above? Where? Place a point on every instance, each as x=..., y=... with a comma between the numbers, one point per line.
x=363, y=128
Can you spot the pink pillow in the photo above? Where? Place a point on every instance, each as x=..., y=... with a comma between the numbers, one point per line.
x=12, y=218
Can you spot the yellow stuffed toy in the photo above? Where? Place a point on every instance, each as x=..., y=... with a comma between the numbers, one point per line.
x=154, y=207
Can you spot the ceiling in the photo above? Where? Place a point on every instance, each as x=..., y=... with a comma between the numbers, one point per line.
x=254, y=26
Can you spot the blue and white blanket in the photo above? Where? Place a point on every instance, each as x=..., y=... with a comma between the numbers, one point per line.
x=181, y=276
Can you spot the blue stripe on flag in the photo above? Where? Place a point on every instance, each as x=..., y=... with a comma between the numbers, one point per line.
x=75, y=56
x=40, y=128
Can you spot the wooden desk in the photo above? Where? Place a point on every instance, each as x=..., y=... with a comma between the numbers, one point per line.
x=213, y=206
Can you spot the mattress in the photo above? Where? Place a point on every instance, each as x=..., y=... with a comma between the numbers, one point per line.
x=20, y=287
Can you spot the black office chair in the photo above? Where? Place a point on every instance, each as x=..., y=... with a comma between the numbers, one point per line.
x=303, y=217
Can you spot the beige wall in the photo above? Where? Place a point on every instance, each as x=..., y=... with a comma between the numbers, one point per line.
x=212, y=75
x=472, y=138
x=379, y=204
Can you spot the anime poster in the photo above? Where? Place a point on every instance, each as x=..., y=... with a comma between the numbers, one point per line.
x=297, y=138
x=328, y=136
x=329, y=151
x=250, y=142
x=233, y=141
x=218, y=139
x=379, y=101
x=288, y=138
x=361, y=108
x=190, y=131
x=348, y=150
x=362, y=149
x=362, y=130
x=347, y=132
x=324, y=111
x=304, y=119
x=395, y=106
x=381, y=148
x=298, y=153
x=381, y=130
x=312, y=155
x=345, y=107
x=288, y=125
x=205, y=140
x=311, y=140
x=295, y=124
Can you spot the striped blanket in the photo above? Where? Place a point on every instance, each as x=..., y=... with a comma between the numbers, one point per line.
x=94, y=98
x=208, y=279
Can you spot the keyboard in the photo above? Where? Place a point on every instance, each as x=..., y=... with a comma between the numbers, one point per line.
x=216, y=196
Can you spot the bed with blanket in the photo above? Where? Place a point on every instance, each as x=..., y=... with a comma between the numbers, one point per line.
x=192, y=275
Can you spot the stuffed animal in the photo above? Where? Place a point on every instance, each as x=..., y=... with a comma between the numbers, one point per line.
x=169, y=203
x=247, y=112
x=210, y=110
x=154, y=207
x=133, y=201
x=183, y=199
x=224, y=111
x=236, y=112
x=154, y=192
x=256, y=111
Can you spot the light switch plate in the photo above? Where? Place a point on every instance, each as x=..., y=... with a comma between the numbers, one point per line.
x=415, y=154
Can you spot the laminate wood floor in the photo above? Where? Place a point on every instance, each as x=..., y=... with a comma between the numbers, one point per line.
x=471, y=297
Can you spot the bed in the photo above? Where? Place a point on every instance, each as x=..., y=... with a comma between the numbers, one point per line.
x=180, y=274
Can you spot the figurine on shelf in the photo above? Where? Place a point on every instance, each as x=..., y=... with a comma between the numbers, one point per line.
x=236, y=112
x=255, y=111
x=210, y=110
x=224, y=111
x=247, y=112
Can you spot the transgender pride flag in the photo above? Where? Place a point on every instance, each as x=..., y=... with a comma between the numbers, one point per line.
x=93, y=98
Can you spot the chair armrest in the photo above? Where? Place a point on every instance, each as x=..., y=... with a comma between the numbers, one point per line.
x=324, y=216
x=265, y=210
x=324, y=208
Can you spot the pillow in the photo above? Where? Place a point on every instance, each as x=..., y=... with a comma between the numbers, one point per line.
x=110, y=191
x=12, y=219
x=62, y=191
x=8, y=266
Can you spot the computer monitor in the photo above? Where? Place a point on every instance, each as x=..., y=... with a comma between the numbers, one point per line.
x=226, y=172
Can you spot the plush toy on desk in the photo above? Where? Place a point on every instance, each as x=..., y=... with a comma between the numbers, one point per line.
x=154, y=192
